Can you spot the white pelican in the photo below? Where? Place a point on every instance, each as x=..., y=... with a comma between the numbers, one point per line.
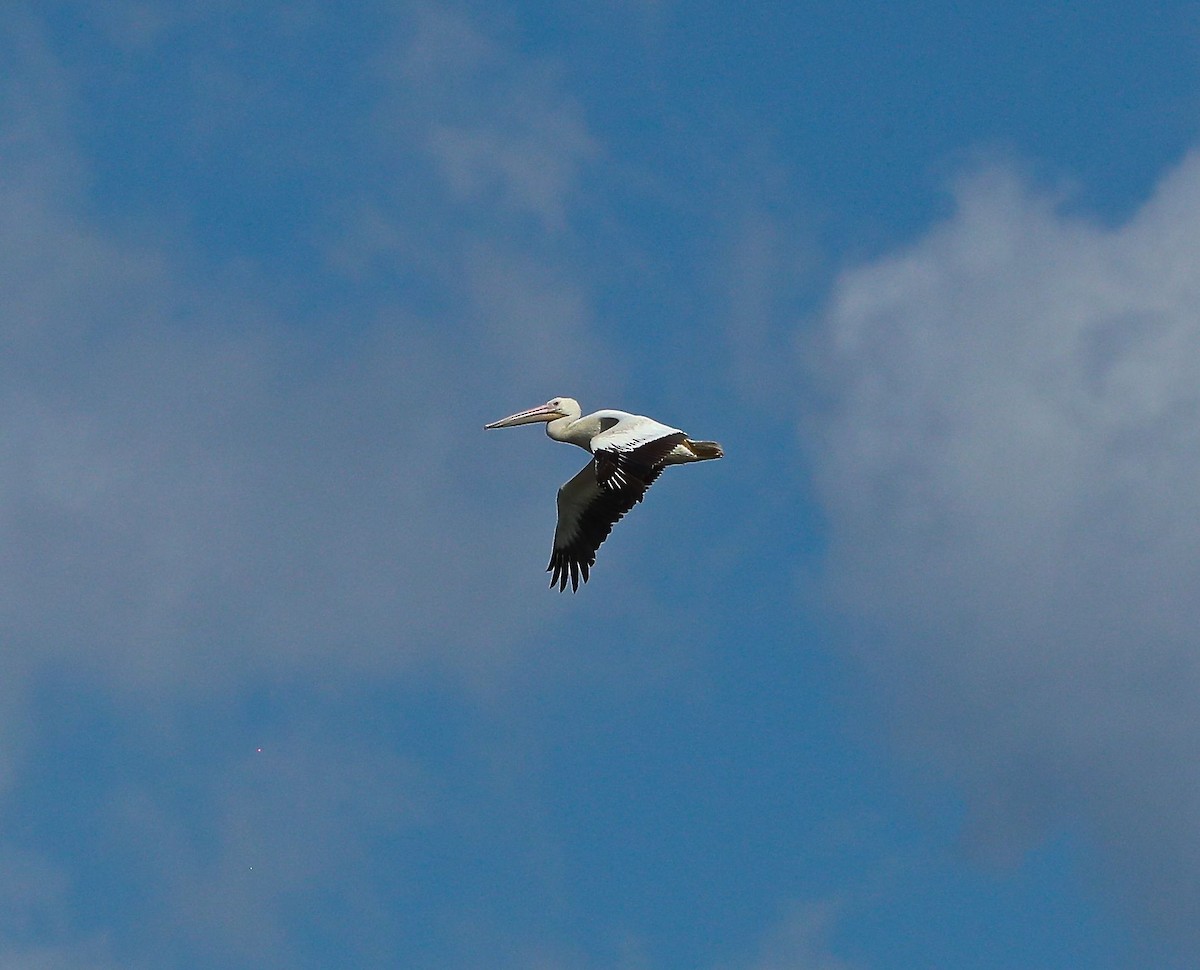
x=630, y=452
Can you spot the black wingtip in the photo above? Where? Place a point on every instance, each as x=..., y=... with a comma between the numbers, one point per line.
x=564, y=571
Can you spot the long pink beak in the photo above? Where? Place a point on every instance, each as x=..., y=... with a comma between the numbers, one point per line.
x=543, y=412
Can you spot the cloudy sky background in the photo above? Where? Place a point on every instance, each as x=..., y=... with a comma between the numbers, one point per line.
x=909, y=679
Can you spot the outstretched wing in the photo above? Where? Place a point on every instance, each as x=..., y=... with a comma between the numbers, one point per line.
x=592, y=502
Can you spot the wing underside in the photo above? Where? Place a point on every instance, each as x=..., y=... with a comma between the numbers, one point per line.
x=592, y=502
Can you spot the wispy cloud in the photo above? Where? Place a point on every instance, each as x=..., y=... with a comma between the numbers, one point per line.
x=1009, y=470
x=193, y=491
x=201, y=498
x=799, y=939
x=292, y=831
x=505, y=139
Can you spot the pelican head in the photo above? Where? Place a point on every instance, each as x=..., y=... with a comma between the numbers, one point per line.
x=559, y=407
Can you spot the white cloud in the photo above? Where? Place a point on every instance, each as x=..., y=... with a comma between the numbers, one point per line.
x=1009, y=467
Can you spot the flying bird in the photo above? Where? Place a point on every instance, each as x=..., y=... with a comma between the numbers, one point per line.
x=629, y=452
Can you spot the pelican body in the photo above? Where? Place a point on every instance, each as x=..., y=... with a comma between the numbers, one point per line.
x=628, y=451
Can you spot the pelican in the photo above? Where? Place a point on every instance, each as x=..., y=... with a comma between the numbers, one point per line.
x=629, y=452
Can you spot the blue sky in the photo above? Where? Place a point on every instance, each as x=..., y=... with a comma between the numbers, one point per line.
x=907, y=680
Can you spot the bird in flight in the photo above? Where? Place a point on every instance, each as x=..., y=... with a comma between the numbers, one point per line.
x=628, y=451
